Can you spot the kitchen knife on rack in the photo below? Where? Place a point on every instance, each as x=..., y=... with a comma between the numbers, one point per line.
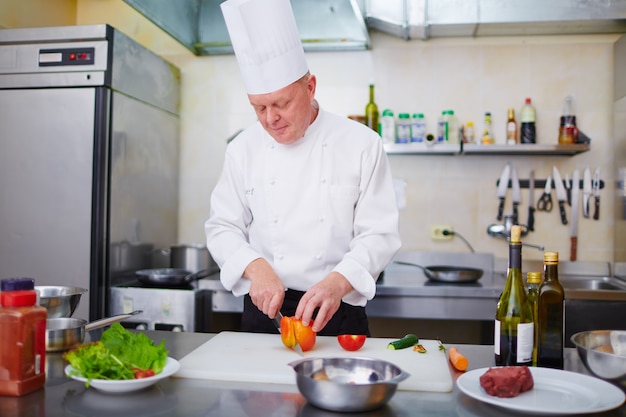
x=586, y=192
x=276, y=321
x=503, y=185
x=561, y=195
x=516, y=194
x=531, y=201
x=573, y=227
x=595, y=185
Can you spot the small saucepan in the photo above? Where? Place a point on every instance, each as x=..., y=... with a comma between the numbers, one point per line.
x=453, y=274
x=63, y=333
x=170, y=276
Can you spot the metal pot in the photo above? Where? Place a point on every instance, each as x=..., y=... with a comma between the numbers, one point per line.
x=64, y=333
x=448, y=273
x=194, y=258
x=170, y=276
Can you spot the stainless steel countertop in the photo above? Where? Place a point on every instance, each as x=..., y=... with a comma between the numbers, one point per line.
x=190, y=397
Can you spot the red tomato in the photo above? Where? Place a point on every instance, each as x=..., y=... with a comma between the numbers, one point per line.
x=139, y=373
x=292, y=332
x=351, y=342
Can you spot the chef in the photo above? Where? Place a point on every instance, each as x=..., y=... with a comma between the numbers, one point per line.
x=304, y=217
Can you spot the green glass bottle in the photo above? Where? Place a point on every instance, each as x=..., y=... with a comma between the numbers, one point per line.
x=514, y=328
x=371, y=111
x=551, y=316
x=533, y=281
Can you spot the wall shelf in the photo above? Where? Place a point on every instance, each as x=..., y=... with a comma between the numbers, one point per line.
x=471, y=149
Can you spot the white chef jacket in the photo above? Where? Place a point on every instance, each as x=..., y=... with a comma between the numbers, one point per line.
x=324, y=203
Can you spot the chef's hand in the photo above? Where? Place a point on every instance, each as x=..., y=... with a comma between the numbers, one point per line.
x=326, y=295
x=266, y=289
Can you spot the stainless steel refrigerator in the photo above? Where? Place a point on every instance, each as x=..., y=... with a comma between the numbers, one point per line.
x=89, y=148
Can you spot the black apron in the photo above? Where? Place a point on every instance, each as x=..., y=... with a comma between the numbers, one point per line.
x=348, y=319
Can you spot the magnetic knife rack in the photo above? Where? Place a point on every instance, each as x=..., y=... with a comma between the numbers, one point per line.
x=540, y=184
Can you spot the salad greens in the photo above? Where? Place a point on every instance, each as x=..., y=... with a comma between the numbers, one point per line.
x=118, y=355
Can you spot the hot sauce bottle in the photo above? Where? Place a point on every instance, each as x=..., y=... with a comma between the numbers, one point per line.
x=22, y=338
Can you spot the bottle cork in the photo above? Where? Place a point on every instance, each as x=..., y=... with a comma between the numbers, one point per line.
x=516, y=233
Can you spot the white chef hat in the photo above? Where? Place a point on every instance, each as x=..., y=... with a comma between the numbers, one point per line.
x=266, y=43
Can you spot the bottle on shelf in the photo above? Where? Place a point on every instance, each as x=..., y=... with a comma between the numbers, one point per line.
x=371, y=111
x=468, y=133
x=533, y=281
x=568, y=132
x=388, y=127
x=511, y=128
x=453, y=127
x=442, y=127
x=403, y=129
x=528, y=118
x=488, y=138
x=514, y=327
x=551, y=315
x=418, y=128
x=22, y=338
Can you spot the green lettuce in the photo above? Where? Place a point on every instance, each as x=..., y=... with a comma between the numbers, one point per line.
x=117, y=355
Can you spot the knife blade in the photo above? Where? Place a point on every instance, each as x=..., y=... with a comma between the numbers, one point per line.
x=516, y=194
x=596, y=194
x=531, y=201
x=276, y=321
x=568, y=190
x=561, y=196
x=503, y=185
x=586, y=192
x=573, y=253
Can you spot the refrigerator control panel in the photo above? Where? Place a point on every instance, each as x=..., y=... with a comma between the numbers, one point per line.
x=67, y=56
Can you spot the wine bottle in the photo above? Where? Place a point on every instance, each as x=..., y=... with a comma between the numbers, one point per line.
x=371, y=111
x=514, y=328
x=511, y=128
x=551, y=317
x=533, y=281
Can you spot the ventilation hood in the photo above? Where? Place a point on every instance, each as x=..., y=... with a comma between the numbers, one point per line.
x=340, y=25
x=324, y=25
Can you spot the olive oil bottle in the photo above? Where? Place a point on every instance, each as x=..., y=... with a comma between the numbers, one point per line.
x=533, y=281
x=551, y=315
x=371, y=111
x=514, y=328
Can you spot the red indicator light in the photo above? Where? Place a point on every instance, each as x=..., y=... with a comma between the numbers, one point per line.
x=72, y=57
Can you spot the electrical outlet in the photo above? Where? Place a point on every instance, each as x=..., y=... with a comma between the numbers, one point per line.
x=437, y=232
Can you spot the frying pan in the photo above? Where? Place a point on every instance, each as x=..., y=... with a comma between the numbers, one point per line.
x=63, y=333
x=170, y=276
x=448, y=273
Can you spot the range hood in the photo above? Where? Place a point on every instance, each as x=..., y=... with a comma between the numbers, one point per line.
x=425, y=19
x=340, y=25
x=324, y=25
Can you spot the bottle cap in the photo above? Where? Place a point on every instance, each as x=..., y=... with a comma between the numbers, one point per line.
x=533, y=277
x=387, y=112
x=403, y=115
x=527, y=100
x=516, y=233
x=551, y=256
x=17, y=284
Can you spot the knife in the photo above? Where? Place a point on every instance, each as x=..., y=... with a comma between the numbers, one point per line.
x=517, y=195
x=573, y=227
x=568, y=190
x=276, y=321
x=586, y=192
x=531, y=201
x=502, y=187
x=596, y=194
x=561, y=196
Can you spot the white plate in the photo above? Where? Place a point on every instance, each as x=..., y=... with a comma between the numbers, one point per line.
x=127, y=385
x=554, y=392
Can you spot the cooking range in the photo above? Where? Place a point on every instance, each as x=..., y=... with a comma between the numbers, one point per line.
x=184, y=308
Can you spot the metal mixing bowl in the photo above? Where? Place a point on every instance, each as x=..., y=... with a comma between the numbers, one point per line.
x=347, y=384
x=60, y=301
x=594, y=348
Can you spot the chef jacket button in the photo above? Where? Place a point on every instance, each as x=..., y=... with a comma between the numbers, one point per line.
x=281, y=257
x=318, y=257
x=275, y=220
x=272, y=182
x=321, y=219
x=323, y=180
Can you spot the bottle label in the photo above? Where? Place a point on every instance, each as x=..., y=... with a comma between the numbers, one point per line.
x=525, y=338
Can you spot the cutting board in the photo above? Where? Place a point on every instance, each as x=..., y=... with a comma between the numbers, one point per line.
x=262, y=358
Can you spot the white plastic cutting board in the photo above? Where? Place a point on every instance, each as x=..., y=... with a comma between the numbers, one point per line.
x=253, y=357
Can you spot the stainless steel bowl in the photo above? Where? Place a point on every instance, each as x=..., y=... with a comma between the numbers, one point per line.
x=60, y=301
x=594, y=348
x=353, y=384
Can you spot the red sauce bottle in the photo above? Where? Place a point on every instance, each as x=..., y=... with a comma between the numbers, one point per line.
x=22, y=338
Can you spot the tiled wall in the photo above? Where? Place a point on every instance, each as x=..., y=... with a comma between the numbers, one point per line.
x=470, y=76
